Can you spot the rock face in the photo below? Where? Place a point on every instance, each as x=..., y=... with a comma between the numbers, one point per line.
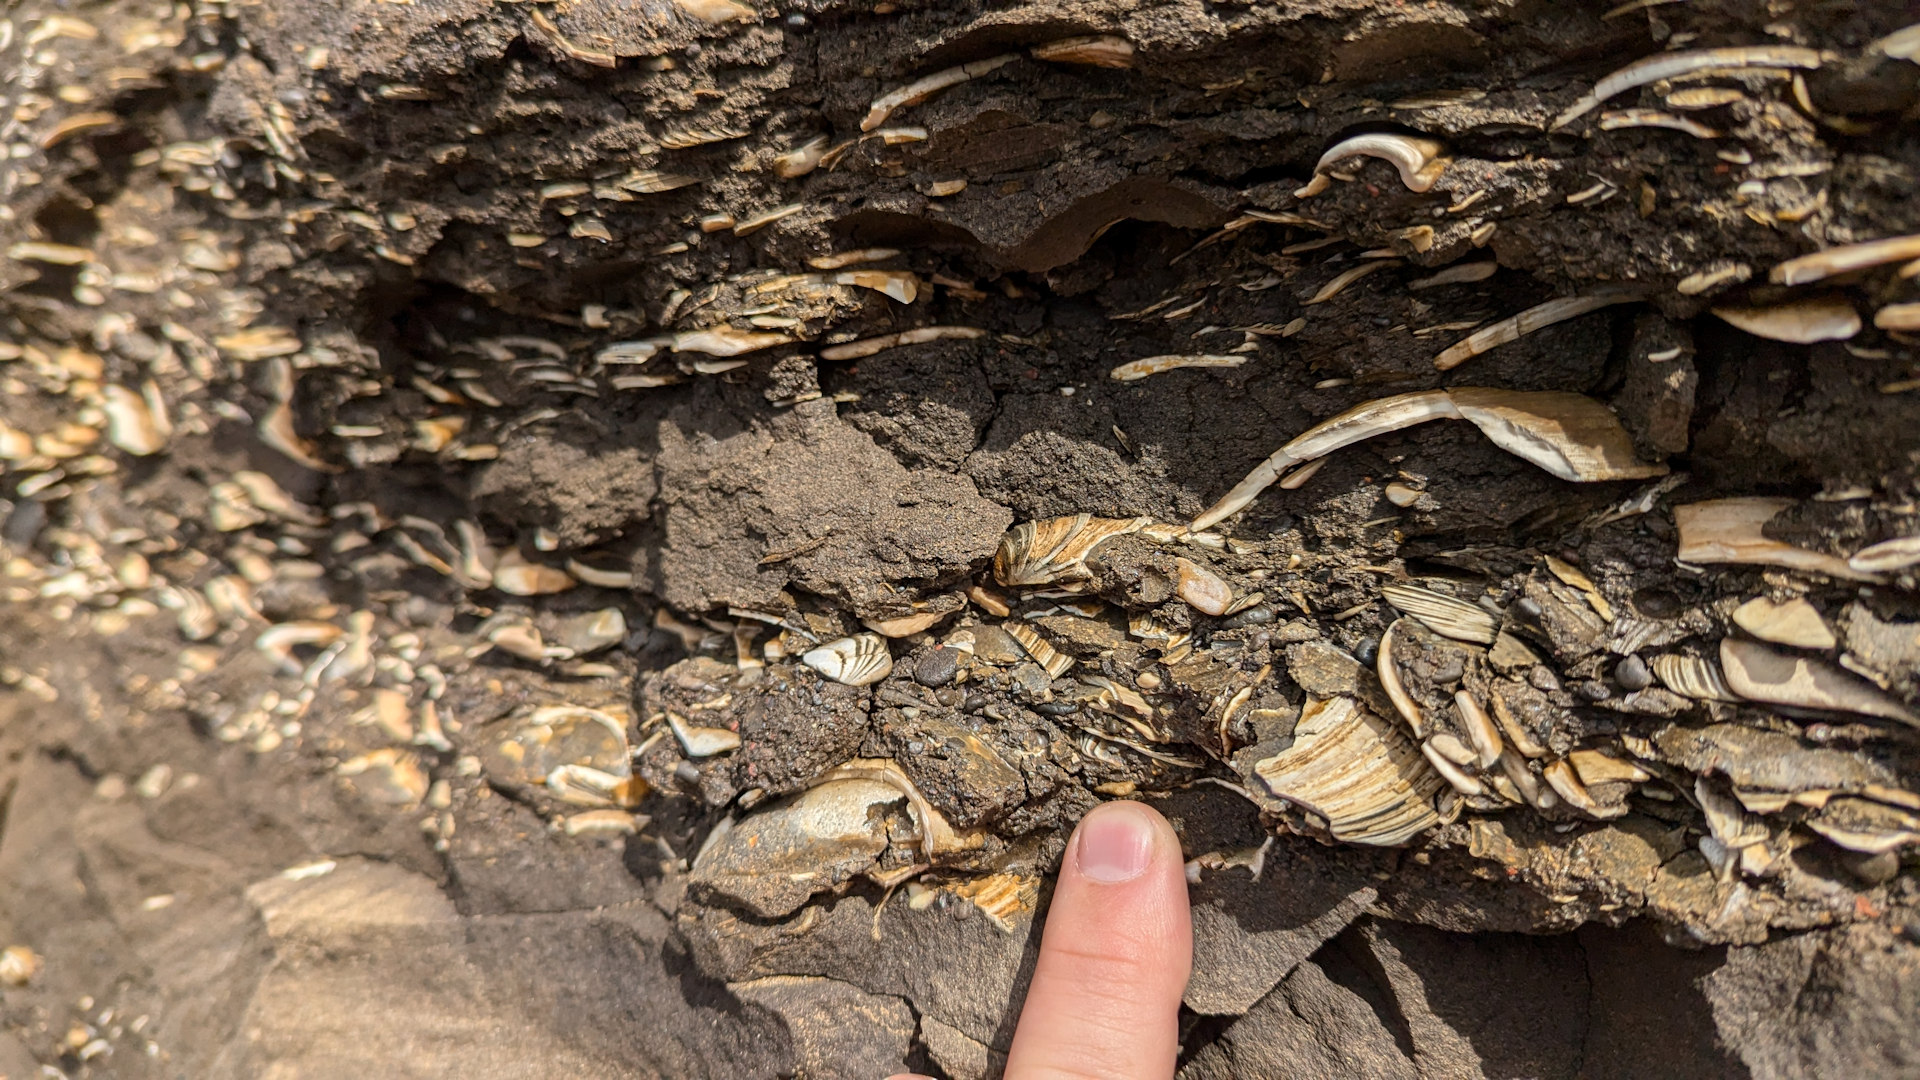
x=375, y=381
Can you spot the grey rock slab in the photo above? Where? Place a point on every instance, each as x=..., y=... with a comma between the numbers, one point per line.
x=962, y=1057
x=1247, y=934
x=1842, y=1002
x=1309, y=1026
x=838, y=1031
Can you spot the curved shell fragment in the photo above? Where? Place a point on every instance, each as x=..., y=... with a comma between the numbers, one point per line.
x=1571, y=436
x=1418, y=160
x=1566, y=783
x=1055, y=550
x=1099, y=50
x=926, y=86
x=850, y=258
x=1654, y=118
x=1134, y=370
x=1732, y=531
x=1888, y=556
x=861, y=660
x=1693, y=677
x=726, y=341
x=701, y=742
x=1481, y=733
x=1845, y=258
x=901, y=285
x=802, y=159
x=1396, y=688
x=715, y=11
x=1357, y=771
x=1759, y=673
x=1793, y=623
x=1898, y=317
x=1443, y=614
x=1801, y=322
x=938, y=837
x=1513, y=328
x=136, y=423
x=1672, y=65
x=854, y=350
x=1338, y=285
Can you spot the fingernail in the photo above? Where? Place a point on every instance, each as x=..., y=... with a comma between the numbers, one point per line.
x=1116, y=843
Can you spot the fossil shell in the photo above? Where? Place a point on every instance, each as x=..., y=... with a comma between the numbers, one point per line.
x=1727, y=820
x=1523, y=780
x=1566, y=784
x=938, y=838
x=1479, y=728
x=1396, y=688
x=1202, y=589
x=1055, y=550
x=1154, y=365
x=1513, y=328
x=773, y=860
x=860, y=660
x=1759, y=673
x=584, y=785
x=1730, y=531
x=519, y=578
x=1654, y=118
x=906, y=625
x=801, y=160
x=1691, y=676
x=1572, y=437
x=1442, y=614
x=928, y=85
x=1056, y=662
x=1594, y=767
x=1358, y=772
x=853, y=350
x=1898, y=317
x=1800, y=322
x=134, y=424
x=1793, y=623
x=18, y=965
x=1865, y=825
x=1418, y=160
x=1888, y=556
x=1845, y=258
x=1104, y=50
x=702, y=741
x=1675, y=64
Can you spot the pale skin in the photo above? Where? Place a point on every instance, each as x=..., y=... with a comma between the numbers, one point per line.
x=1114, y=956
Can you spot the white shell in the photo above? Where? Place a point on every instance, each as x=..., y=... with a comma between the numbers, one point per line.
x=702, y=741
x=1357, y=771
x=1759, y=673
x=1691, y=676
x=1793, y=623
x=861, y=660
x=1443, y=614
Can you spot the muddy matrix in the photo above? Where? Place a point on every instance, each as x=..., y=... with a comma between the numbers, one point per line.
x=618, y=537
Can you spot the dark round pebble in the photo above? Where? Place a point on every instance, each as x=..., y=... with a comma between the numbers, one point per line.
x=1257, y=615
x=938, y=667
x=1367, y=651
x=1595, y=691
x=1057, y=708
x=1529, y=608
x=1632, y=674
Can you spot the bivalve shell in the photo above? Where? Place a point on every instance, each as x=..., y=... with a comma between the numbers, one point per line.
x=1793, y=623
x=1357, y=771
x=1759, y=673
x=861, y=660
x=1691, y=676
x=1055, y=550
x=1443, y=614
x=1888, y=556
x=1802, y=322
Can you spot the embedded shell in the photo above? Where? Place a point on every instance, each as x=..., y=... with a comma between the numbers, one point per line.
x=1357, y=772
x=860, y=660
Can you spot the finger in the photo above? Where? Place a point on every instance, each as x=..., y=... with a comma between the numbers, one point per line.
x=1114, y=957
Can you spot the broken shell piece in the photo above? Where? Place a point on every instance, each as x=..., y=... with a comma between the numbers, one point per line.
x=714, y=11
x=898, y=284
x=1566, y=783
x=1442, y=614
x=1402, y=495
x=1458, y=274
x=387, y=777
x=801, y=160
x=849, y=258
x=860, y=660
x=1898, y=317
x=1518, y=326
x=1704, y=97
x=1694, y=677
x=1727, y=820
x=517, y=577
x=18, y=965
x=1793, y=623
x=1055, y=550
x=1571, y=436
x=1696, y=283
x=1673, y=65
x=583, y=785
x=1759, y=673
x=1154, y=365
x=1572, y=575
x=1641, y=118
x=133, y=423
x=1801, y=322
x=726, y=341
x=699, y=742
x=1594, y=767
x=1202, y=589
x=938, y=838
x=1480, y=730
x=853, y=350
x=1356, y=771
x=554, y=735
x=906, y=625
x=280, y=641
x=1523, y=780
x=1103, y=50
x=1888, y=556
x=1514, y=726
x=774, y=859
x=1003, y=898
x=1732, y=531
x=1053, y=660
x=1418, y=160
x=1865, y=825
x=1462, y=782
x=926, y=86
x=1845, y=258
x=1396, y=688
x=592, y=631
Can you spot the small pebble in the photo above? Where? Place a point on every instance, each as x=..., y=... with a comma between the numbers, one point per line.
x=1875, y=869
x=1543, y=678
x=1594, y=691
x=1632, y=674
x=1257, y=615
x=938, y=667
x=1368, y=650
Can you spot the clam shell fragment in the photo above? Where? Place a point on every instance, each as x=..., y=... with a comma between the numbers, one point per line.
x=1569, y=435
x=1691, y=676
x=1534, y=318
x=1358, y=772
x=1793, y=623
x=861, y=660
x=1801, y=322
x=1418, y=160
x=699, y=742
x=1443, y=614
x=1759, y=673
x=1055, y=550
x=1888, y=556
x=1732, y=531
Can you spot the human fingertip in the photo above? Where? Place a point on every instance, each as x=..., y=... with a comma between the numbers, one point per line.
x=1116, y=842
